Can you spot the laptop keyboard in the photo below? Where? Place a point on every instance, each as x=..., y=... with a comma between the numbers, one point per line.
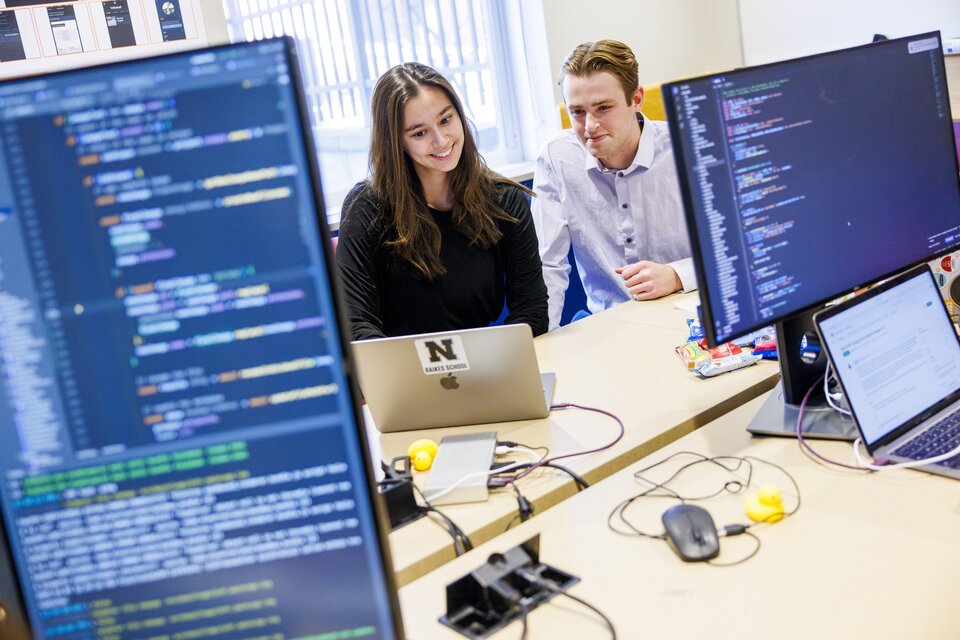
x=940, y=438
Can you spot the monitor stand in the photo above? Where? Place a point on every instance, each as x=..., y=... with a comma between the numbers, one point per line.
x=802, y=364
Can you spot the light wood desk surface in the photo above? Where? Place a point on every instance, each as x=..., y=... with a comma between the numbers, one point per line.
x=866, y=556
x=621, y=362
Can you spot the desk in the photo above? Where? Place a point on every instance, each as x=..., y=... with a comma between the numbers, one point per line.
x=866, y=556
x=621, y=360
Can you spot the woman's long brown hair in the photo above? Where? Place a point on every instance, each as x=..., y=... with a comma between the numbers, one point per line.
x=394, y=181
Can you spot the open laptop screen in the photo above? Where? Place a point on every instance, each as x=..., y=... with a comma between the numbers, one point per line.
x=895, y=352
x=179, y=452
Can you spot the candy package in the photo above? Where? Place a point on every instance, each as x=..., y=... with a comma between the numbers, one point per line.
x=711, y=362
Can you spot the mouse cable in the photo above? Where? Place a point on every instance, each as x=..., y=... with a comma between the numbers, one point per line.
x=461, y=542
x=743, y=465
x=571, y=405
x=725, y=462
x=533, y=577
x=742, y=529
x=618, y=512
x=661, y=490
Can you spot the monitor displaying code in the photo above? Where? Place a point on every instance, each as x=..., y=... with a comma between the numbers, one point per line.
x=807, y=178
x=179, y=452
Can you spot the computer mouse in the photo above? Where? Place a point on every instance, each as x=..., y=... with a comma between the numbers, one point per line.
x=691, y=533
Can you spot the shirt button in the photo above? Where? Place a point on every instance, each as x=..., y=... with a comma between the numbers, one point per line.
x=629, y=240
x=620, y=174
x=624, y=205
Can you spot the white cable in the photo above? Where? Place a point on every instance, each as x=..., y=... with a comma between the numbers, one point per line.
x=499, y=450
x=502, y=451
x=826, y=391
x=861, y=461
x=901, y=465
x=469, y=476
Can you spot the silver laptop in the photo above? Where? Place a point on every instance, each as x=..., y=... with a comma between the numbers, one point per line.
x=897, y=357
x=453, y=378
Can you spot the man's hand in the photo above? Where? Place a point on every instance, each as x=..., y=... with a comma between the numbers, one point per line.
x=647, y=280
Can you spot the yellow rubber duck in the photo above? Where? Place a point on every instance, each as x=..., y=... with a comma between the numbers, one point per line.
x=766, y=505
x=422, y=452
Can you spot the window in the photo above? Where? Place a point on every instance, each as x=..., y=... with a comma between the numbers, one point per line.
x=346, y=45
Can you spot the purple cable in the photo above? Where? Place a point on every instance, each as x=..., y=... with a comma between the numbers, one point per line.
x=567, y=405
x=807, y=447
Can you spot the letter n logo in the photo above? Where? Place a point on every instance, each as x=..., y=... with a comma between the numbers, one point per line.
x=442, y=354
x=444, y=348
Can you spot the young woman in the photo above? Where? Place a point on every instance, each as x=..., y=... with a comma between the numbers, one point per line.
x=434, y=240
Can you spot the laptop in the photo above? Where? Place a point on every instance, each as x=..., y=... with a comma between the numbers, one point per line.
x=452, y=378
x=896, y=355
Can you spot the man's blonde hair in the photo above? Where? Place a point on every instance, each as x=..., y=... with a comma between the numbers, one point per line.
x=610, y=56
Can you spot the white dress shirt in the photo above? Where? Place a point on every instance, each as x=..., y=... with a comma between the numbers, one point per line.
x=612, y=218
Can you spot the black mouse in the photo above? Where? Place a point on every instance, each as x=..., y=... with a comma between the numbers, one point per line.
x=691, y=532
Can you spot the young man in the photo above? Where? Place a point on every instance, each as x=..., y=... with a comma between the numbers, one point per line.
x=609, y=187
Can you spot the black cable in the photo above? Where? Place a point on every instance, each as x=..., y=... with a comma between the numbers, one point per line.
x=609, y=623
x=461, y=542
x=533, y=577
x=523, y=620
x=634, y=531
x=577, y=478
x=524, y=507
x=793, y=481
x=755, y=551
x=744, y=466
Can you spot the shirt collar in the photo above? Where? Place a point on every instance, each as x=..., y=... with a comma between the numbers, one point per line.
x=643, y=158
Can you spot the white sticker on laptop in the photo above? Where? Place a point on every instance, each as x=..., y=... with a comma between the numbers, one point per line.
x=442, y=354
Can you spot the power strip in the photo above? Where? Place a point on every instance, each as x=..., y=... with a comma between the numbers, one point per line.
x=461, y=468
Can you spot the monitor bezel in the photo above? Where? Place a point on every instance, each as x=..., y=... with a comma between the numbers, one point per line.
x=690, y=212
x=378, y=509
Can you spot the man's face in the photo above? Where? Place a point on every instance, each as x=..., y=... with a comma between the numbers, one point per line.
x=603, y=119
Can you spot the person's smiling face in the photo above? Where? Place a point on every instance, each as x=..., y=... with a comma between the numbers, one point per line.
x=432, y=133
x=602, y=117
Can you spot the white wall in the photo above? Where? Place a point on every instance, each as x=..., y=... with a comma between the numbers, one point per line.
x=781, y=29
x=215, y=21
x=671, y=38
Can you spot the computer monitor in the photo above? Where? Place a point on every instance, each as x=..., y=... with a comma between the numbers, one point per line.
x=806, y=179
x=181, y=453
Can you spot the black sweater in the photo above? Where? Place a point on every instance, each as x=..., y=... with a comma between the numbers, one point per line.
x=386, y=296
